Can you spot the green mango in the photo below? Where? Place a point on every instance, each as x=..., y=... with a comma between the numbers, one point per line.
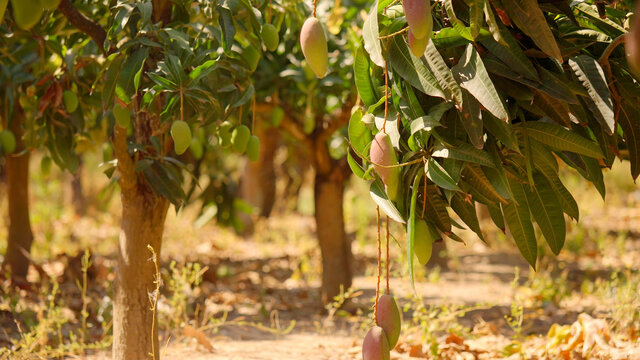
x=314, y=46
x=418, y=46
x=224, y=133
x=45, y=166
x=252, y=56
x=270, y=37
x=181, y=134
x=240, y=138
x=424, y=237
x=70, y=100
x=389, y=318
x=122, y=115
x=253, y=148
x=8, y=141
x=196, y=148
x=26, y=13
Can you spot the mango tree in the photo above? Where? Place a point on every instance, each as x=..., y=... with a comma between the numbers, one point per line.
x=165, y=70
x=309, y=95
x=485, y=106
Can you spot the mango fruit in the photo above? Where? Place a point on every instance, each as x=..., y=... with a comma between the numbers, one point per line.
x=224, y=133
x=240, y=138
x=45, y=166
x=26, y=13
x=197, y=150
x=50, y=4
x=253, y=148
x=181, y=134
x=70, y=100
x=276, y=116
x=375, y=345
x=417, y=46
x=252, y=56
x=418, y=15
x=382, y=155
x=122, y=115
x=8, y=141
x=270, y=37
x=389, y=319
x=424, y=237
x=632, y=44
x=314, y=46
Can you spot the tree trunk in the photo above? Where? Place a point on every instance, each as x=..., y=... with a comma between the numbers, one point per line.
x=439, y=256
x=20, y=234
x=335, y=246
x=135, y=329
x=259, y=180
x=77, y=195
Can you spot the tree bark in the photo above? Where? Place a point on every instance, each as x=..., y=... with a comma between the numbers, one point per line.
x=77, y=195
x=335, y=247
x=20, y=234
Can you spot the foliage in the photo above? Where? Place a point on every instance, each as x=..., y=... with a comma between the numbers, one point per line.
x=506, y=90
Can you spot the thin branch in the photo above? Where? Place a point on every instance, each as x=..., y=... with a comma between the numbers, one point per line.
x=83, y=23
x=604, y=58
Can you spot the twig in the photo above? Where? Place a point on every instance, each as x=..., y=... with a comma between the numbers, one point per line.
x=83, y=23
x=375, y=313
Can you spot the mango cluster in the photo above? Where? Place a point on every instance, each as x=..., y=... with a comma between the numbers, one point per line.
x=384, y=336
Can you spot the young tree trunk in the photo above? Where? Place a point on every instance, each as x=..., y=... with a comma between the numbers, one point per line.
x=335, y=246
x=20, y=234
x=259, y=180
x=77, y=195
x=135, y=330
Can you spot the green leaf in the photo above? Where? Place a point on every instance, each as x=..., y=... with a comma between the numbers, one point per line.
x=112, y=74
x=594, y=172
x=411, y=226
x=355, y=167
x=448, y=38
x=165, y=183
x=472, y=75
x=493, y=24
x=502, y=130
x=464, y=152
x=476, y=8
x=560, y=138
x=607, y=25
x=370, y=34
x=511, y=54
x=436, y=209
x=526, y=14
x=518, y=218
x=412, y=69
x=457, y=24
x=631, y=130
x=359, y=136
x=471, y=119
x=547, y=212
x=474, y=176
x=432, y=119
x=442, y=72
x=126, y=85
x=201, y=71
x=593, y=79
x=379, y=196
x=496, y=216
x=467, y=213
x=554, y=109
x=436, y=173
x=362, y=78
x=225, y=18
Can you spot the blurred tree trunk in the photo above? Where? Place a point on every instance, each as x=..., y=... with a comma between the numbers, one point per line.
x=439, y=256
x=20, y=235
x=78, y=199
x=259, y=180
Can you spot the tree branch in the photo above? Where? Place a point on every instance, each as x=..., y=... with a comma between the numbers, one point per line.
x=336, y=121
x=83, y=23
x=289, y=123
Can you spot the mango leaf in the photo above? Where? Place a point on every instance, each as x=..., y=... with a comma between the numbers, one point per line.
x=412, y=69
x=474, y=176
x=547, y=212
x=594, y=172
x=464, y=152
x=593, y=79
x=112, y=75
x=493, y=24
x=436, y=173
x=359, y=136
x=511, y=54
x=355, y=167
x=496, y=216
x=472, y=75
x=457, y=24
x=471, y=118
x=126, y=85
x=436, y=209
x=555, y=109
x=467, y=213
x=225, y=18
x=442, y=72
x=448, y=38
x=370, y=34
x=607, y=25
x=503, y=131
x=476, y=8
x=526, y=14
x=560, y=138
x=164, y=182
x=432, y=119
x=518, y=218
x=379, y=196
x=631, y=130
x=411, y=226
x=362, y=78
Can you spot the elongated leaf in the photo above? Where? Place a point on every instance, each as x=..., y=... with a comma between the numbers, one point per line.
x=412, y=69
x=457, y=24
x=436, y=173
x=476, y=8
x=607, y=25
x=555, y=109
x=547, y=212
x=511, y=54
x=464, y=152
x=411, y=226
x=471, y=119
x=226, y=26
x=493, y=24
x=592, y=78
x=436, y=210
x=362, y=78
x=432, y=119
x=479, y=181
x=561, y=139
x=496, y=216
x=112, y=75
x=503, y=131
x=379, y=196
x=518, y=218
x=359, y=136
x=631, y=128
x=526, y=14
x=370, y=34
x=594, y=172
x=355, y=167
x=472, y=75
x=467, y=213
x=442, y=72
x=449, y=38
x=125, y=86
